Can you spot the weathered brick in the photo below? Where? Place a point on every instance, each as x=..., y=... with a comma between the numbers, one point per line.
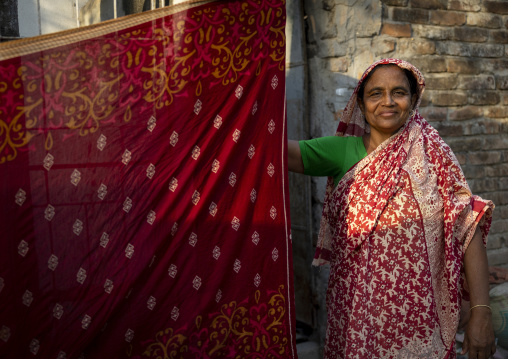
x=481, y=127
x=464, y=66
x=496, y=112
x=466, y=113
x=395, y=2
x=461, y=5
x=441, y=82
x=498, y=197
x=499, y=170
x=503, y=184
x=484, y=20
x=434, y=113
x=451, y=98
x=502, y=82
x=483, y=158
x=413, y=16
x=328, y=5
x=487, y=50
x=502, y=212
x=497, y=257
x=498, y=64
x=396, y=30
x=499, y=226
x=429, y=64
x=425, y=100
x=495, y=241
x=497, y=142
x=417, y=46
x=447, y=130
x=500, y=37
x=505, y=99
x=447, y=18
x=461, y=158
x=453, y=49
x=429, y=4
x=478, y=82
x=473, y=171
x=483, y=98
x=384, y=46
x=340, y=64
x=470, y=34
x=465, y=143
x=496, y=7
x=331, y=48
x=484, y=185
x=433, y=32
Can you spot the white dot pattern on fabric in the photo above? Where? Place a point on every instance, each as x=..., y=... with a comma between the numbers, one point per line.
x=152, y=122
x=101, y=142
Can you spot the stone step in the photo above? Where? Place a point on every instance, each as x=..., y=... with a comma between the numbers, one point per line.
x=308, y=350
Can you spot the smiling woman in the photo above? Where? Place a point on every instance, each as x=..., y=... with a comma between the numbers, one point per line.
x=399, y=227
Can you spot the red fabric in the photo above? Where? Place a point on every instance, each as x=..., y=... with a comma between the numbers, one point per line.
x=144, y=190
x=394, y=231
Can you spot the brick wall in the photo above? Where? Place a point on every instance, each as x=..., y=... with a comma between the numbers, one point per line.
x=461, y=47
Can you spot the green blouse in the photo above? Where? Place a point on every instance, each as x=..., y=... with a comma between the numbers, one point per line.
x=331, y=156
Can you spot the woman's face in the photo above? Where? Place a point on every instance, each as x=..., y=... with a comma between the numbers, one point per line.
x=387, y=100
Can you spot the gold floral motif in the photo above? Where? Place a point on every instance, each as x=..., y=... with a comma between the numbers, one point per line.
x=14, y=135
x=259, y=329
x=79, y=89
x=168, y=345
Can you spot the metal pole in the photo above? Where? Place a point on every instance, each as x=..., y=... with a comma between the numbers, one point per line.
x=114, y=9
x=153, y=4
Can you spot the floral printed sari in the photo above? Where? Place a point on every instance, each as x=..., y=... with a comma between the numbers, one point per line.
x=395, y=230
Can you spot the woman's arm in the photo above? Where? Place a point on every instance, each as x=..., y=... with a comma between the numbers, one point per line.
x=295, y=163
x=479, y=339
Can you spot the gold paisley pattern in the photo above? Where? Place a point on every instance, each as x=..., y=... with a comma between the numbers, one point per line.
x=125, y=74
x=257, y=331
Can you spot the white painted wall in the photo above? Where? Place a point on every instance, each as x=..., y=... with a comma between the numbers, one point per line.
x=39, y=17
x=28, y=18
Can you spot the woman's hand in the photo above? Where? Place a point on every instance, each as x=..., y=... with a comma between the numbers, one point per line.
x=479, y=338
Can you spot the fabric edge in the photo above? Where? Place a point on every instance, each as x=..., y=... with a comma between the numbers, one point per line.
x=39, y=43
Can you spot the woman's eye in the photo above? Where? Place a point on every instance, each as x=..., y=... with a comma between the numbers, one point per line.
x=400, y=93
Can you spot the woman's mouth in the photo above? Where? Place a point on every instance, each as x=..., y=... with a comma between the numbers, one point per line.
x=388, y=114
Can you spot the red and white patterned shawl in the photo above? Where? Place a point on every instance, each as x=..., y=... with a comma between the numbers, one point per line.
x=394, y=230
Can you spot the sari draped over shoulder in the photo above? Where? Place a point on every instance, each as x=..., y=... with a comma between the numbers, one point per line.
x=394, y=231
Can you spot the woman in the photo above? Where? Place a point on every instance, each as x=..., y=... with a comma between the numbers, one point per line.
x=400, y=227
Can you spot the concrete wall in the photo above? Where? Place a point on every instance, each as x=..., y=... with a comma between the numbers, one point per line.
x=461, y=46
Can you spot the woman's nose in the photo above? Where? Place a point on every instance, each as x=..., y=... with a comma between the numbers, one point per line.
x=388, y=100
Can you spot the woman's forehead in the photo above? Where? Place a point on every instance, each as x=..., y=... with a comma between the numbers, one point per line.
x=387, y=75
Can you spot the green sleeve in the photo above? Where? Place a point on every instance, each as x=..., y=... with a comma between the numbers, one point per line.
x=331, y=156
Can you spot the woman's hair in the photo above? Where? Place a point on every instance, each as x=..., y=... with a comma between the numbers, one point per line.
x=413, y=84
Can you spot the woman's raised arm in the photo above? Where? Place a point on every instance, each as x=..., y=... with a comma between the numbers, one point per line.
x=295, y=163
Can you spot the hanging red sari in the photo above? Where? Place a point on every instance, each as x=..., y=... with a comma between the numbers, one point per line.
x=394, y=231
x=144, y=188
